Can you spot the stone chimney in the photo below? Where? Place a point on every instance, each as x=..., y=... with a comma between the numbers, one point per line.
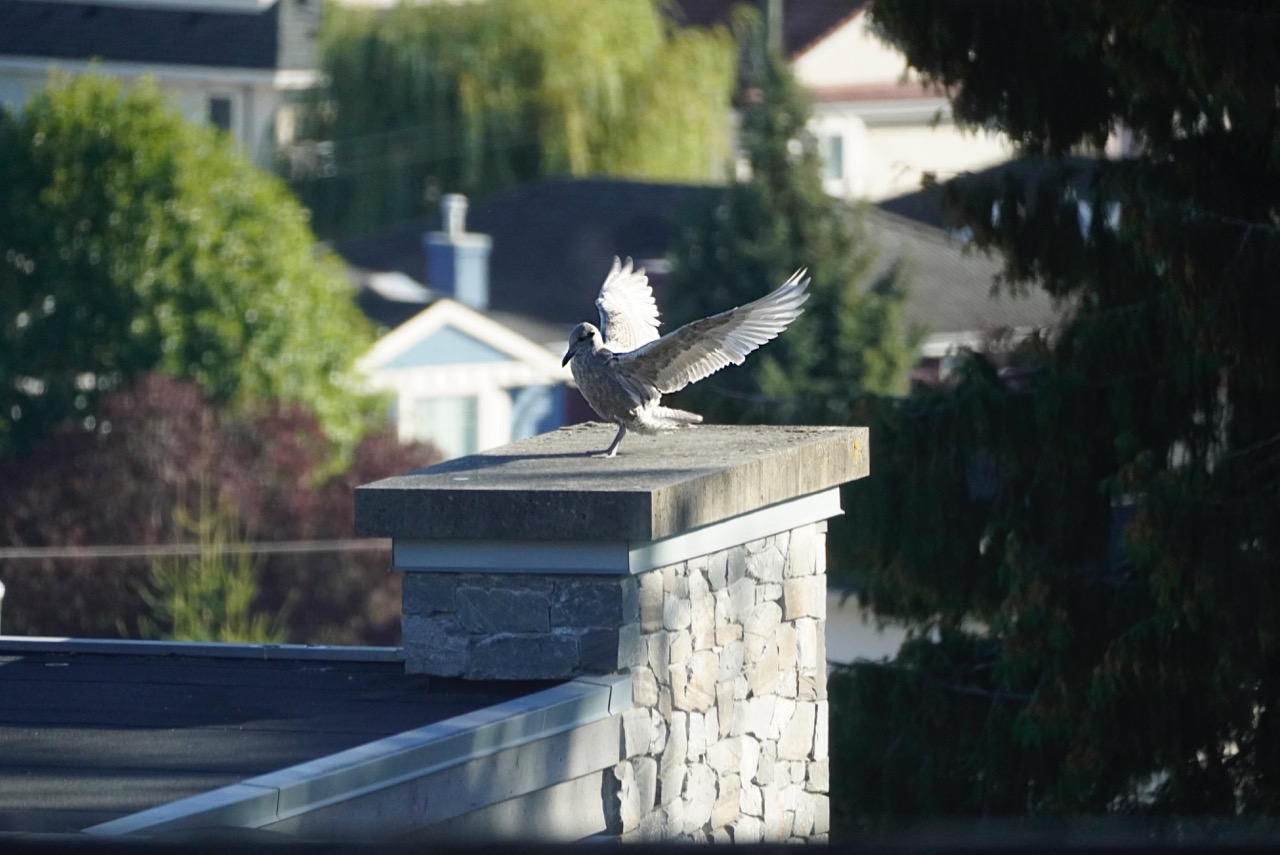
x=458, y=260
x=693, y=564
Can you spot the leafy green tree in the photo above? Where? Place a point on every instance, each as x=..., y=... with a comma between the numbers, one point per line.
x=1087, y=547
x=478, y=97
x=852, y=337
x=131, y=240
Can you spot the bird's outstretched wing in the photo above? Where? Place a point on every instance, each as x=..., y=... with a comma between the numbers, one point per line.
x=628, y=314
x=703, y=347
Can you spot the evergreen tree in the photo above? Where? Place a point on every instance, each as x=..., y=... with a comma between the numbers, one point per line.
x=479, y=97
x=1088, y=549
x=852, y=337
x=131, y=241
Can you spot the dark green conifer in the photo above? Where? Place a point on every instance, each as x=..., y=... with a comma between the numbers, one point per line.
x=1087, y=547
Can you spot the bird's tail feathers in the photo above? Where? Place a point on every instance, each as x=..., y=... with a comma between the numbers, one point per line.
x=669, y=417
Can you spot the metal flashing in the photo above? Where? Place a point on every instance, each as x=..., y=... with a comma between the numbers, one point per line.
x=383, y=763
x=22, y=644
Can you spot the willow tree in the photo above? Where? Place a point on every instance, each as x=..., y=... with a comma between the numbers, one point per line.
x=1087, y=548
x=478, y=97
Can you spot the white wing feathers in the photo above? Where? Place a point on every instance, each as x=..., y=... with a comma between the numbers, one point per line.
x=628, y=313
x=703, y=347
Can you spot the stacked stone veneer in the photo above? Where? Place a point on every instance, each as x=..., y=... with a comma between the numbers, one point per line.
x=502, y=626
x=727, y=736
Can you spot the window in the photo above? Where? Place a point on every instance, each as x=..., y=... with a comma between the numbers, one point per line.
x=448, y=423
x=220, y=112
x=832, y=150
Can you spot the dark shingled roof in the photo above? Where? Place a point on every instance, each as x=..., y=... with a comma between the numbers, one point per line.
x=553, y=241
x=281, y=35
x=951, y=284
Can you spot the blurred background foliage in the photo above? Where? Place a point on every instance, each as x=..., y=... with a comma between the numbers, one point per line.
x=174, y=345
x=165, y=458
x=140, y=242
x=480, y=97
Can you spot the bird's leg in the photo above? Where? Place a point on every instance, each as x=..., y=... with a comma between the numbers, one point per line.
x=613, y=447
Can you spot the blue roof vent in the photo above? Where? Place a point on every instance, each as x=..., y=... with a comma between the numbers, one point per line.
x=458, y=260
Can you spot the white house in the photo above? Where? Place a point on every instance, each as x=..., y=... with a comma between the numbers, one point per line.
x=878, y=127
x=237, y=64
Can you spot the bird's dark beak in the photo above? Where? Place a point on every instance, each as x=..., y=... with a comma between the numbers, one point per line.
x=568, y=354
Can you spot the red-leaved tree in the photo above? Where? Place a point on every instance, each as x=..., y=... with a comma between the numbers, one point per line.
x=131, y=476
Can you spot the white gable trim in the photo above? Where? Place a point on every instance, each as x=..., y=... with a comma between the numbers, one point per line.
x=447, y=312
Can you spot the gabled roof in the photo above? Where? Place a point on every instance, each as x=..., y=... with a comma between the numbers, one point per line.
x=279, y=36
x=472, y=333
x=804, y=22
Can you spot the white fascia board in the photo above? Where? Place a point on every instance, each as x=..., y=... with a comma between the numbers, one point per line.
x=194, y=74
x=610, y=558
x=907, y=111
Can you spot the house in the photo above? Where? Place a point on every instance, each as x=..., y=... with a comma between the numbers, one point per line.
x=879, y=129
x=460, y=376
x=236, y=64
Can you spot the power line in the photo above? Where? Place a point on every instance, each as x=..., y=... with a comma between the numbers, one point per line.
x=185, y=550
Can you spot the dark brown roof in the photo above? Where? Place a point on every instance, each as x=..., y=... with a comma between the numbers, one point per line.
x=804, y=22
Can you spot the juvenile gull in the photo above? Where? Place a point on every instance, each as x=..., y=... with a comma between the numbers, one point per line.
x=623, y=369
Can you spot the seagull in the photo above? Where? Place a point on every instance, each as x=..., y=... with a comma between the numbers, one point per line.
x=623, y=368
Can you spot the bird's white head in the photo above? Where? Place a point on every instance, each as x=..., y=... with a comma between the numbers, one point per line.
x=583, y=335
